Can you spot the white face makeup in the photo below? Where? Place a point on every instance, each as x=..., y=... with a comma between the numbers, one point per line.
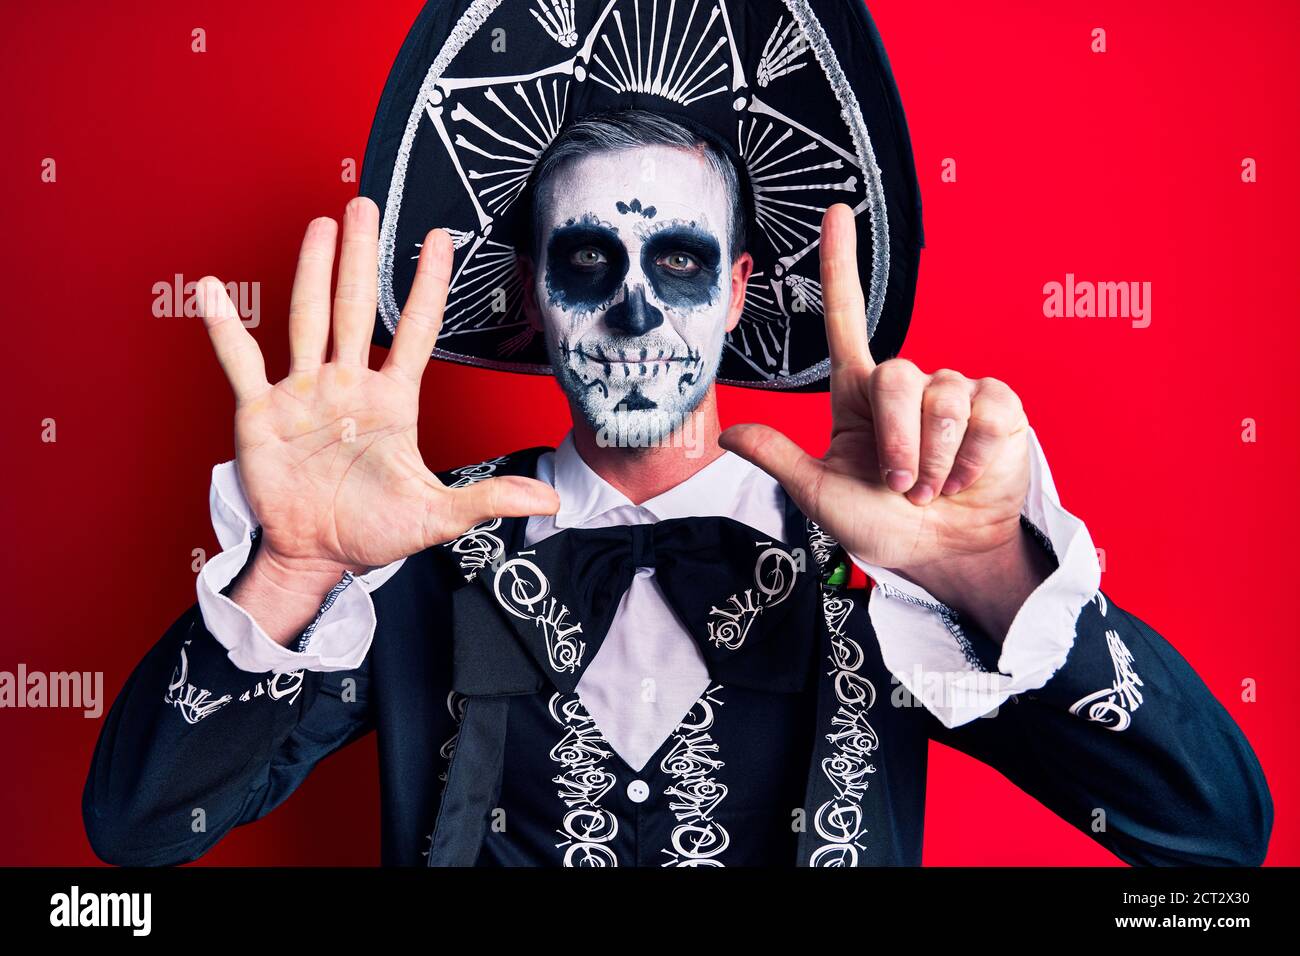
x=633, y=283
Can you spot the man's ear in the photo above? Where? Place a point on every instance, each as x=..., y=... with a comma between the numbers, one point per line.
x=740, y=272
x=532, y=311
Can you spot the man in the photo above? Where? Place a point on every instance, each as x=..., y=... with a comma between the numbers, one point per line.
x=645, y=654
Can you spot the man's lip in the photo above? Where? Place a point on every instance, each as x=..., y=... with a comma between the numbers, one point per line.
x=611, y=360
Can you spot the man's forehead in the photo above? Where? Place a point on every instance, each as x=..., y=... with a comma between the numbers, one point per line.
x=646, y=183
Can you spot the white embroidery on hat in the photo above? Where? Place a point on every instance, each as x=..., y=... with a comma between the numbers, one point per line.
x=782, y=52
x=557, y=21
x=695, y=76
x=459, y=239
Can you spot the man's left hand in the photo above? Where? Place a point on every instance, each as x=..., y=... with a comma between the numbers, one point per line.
x=926, y=474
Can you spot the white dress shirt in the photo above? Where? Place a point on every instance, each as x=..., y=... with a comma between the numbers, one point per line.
x=649, y=671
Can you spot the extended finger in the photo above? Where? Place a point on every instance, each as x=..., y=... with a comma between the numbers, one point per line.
x=309, y=304
x=798, y=472
x=842, y=300
x=236, y=349
x=995, y=414
x=895, y=390
x=357, y=290
x=945, y=410
x=421, y=319
x=453, y=511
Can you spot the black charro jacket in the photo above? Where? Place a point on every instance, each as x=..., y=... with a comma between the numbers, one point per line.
x=1162, y=776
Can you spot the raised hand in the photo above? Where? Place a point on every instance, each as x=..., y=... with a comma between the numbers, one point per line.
x=328, y=456
x=926, y=473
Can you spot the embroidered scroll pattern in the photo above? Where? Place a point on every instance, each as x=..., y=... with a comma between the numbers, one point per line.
x=523, y=590
x=694, y=794
x=477, y=547
x=774, y=578
x=195, y=703
x=276, y=687
x=821, y=544
x=587, y=827
x=1113, y=707
x=467, y=475
x=839, y=821
x=456, y=707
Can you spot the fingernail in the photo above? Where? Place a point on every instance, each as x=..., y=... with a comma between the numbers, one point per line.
x=897, y=479
x=951, y=486
x=921, y=495
x=362, y=208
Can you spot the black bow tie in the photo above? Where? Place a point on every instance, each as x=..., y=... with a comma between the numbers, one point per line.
x=750, y=602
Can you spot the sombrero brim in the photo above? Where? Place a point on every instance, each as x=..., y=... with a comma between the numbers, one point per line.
x=801, y=89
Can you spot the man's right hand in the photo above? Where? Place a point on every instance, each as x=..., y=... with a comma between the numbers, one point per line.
x=328, y=457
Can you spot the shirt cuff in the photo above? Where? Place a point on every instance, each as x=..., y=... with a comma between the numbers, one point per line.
x=338, y=639
x=922, y=642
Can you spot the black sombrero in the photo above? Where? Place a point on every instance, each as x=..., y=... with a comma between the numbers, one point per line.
x=800, y=89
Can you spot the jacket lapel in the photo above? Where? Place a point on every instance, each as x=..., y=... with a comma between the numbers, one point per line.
x=488, y=666
x=486, y=658
x=843, y=739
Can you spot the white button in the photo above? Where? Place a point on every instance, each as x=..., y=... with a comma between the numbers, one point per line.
x=638, y=791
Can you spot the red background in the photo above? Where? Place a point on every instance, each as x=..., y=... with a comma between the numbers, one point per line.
x=1120, y=166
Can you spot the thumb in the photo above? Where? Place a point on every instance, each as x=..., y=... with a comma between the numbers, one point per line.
x=509, y=496
x=797, y=471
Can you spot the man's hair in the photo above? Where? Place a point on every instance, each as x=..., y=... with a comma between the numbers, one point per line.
x=632, y=129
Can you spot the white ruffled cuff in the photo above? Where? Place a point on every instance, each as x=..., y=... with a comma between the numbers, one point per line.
x=921, y=641
x=338, y=639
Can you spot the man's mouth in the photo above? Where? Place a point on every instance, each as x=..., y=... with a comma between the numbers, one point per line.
x=634, y=355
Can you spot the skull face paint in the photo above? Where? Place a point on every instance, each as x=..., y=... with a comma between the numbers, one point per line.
x=633, y=282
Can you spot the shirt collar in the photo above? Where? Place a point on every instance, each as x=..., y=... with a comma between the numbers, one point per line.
x=716, y=489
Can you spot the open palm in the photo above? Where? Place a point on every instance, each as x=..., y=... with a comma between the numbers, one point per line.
x=328, y=457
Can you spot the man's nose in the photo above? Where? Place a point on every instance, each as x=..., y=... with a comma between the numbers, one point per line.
x=635, y=315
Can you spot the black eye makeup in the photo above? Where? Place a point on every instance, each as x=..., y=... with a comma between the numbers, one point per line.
x=588, y=259
x=679, y=263
x=683, y=262
x=585, y=264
